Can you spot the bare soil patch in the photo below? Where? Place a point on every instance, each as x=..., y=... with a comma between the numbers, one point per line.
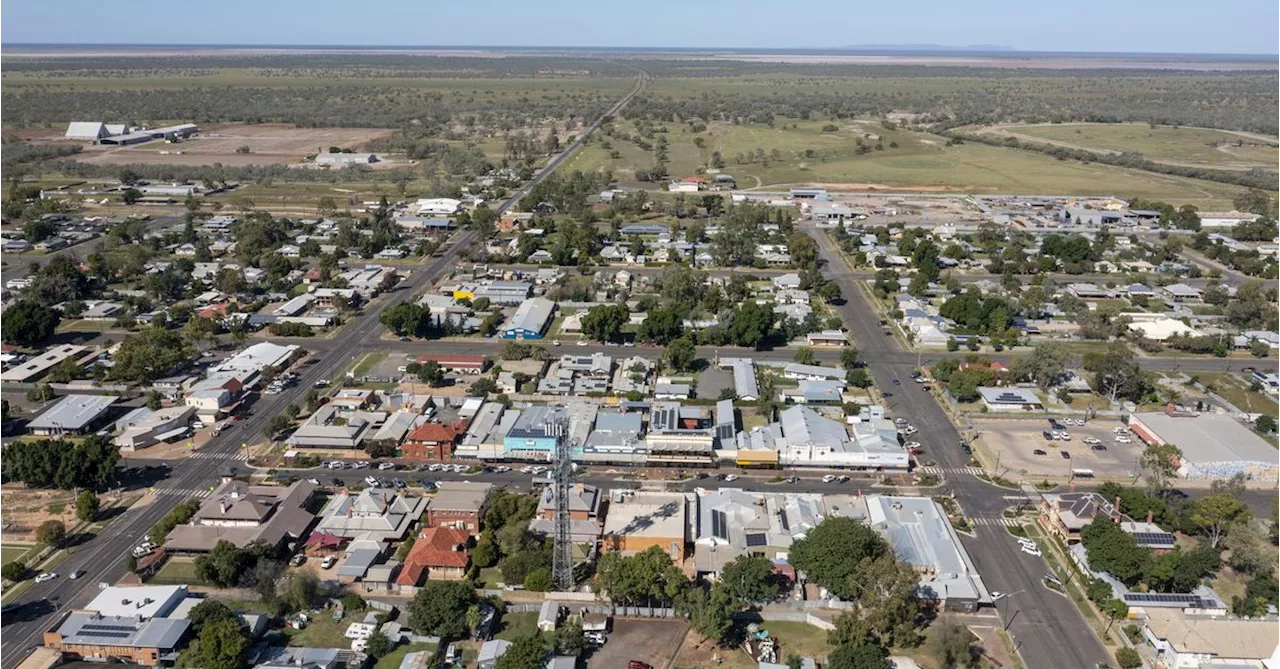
x=269, y=144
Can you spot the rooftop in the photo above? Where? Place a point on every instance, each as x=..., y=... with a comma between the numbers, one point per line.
x=73, y=412
x=1210, y=438
x=147, y=601
x=920, y=534
x=376, y=513
x=460, y=496
x=92, y=629
x=1221, y=637
x=646, y=514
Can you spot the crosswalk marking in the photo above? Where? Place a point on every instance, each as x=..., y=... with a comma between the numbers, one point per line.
x=972, y=471
x=198, y=493
x=995, y=522
x=200, y=455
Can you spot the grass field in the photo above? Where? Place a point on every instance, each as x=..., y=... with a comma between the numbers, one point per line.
x=806, y=154
x=176, y=572
x=516, y=625
x=1189, y=146
x=11, y=552
x=1238, y=393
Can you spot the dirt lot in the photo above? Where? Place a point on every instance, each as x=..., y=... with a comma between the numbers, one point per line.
x=269, y=144
x=1016, y=439
x=24, y=510
x=651, y=641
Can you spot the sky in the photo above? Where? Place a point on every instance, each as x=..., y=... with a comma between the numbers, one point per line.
x=1167, y=26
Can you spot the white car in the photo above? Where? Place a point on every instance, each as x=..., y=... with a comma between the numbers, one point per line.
x=912, y=444
x=731, y=477
x=1063, y=435
x=828, y=478
x=582, y=342
x=526, y=469
x=1091, y=440
x=1123, y=440
x=46, y=577
x=384, y=466
x=329, y=562
x=911, y=429
x=371, y=481
x=199, y=425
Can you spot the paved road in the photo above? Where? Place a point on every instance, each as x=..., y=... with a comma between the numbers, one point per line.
x=102, y=559
x=1050, y=631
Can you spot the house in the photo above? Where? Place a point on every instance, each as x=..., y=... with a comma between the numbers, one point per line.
x=439, y=553
x=585, y=507
x=920, y=533
x=1161, y=328
x=1064, y=515
x=731, y=523
x=1010, y=399
x=548, y=616
x=336, y=425
x=795, y=370
x=243, y=514
x=672, y=391
x=36, y=367
x=540, y=256
x=432, y=441
x=375, y=513
x=289, y=251
x=490, y=651
x=1087, y=291
x=834, y=338
x=1185, y=640
x=458, y=504
x=464, y=364
x=1181, y=292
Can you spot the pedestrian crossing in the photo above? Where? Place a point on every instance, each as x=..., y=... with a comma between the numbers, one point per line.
x=185, y=493
x=201, y=455
x=996, y=522
x=971, y=471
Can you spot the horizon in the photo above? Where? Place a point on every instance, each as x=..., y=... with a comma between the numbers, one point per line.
x=1244, y=27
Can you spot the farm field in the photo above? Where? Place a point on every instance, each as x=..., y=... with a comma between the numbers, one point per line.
x=268, y=144
x=1200, y=147
x=800, y=152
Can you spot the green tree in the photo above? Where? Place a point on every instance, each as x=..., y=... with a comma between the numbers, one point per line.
x=224, y=565
x=1265, y=424
x=538, y=580
x=751, y=324
x=1214, y=513
x=28, y=323
x=149, y=355
x=886, y=605
x=660, y=326
x=86, y=506
x=439, y=608
x=378, y=646
x=951, y=644
x=1114, y=551
x=1045, y=366
x=604, y=323
x=750, y=580
x=14, y=571
x=644, y=579
x=208, y=611
x=431, y=373
x=832, y=551
x=222, y=644
x=570, y=639
x=1128, y=658
x=859, y=656
x=710, y=612
x=1159, y=463
x=805, y=356
x=404, y=319
x=526, y=652
x=51, y=533
x=681, y=354
x=1116, y=375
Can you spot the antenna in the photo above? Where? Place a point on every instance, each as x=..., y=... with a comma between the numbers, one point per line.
x=562, y=477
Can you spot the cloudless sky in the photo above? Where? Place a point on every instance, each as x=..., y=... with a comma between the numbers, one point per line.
x=1179, y=26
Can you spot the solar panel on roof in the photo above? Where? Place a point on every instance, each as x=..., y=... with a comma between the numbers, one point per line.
x=1154, y=538
x=719, y=525
x=757, y=540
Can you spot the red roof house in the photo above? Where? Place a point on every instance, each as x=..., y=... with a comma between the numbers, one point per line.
x=432, y=441
x=439, y=553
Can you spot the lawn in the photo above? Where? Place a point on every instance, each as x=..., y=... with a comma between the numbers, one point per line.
x=175, y=572
x=1193, y=146
x=805, y=153
x=490, y=577
x=800, y=638
x=393, y=659
x=367, y=363
x=12, y=551
x=1238, y=393
x=324, y=632
x=516, y=625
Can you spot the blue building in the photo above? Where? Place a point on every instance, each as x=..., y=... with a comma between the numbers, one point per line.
x=532, y=436
x=530, y=320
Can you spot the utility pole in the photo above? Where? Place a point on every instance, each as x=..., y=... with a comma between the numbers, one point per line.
x=562, y=479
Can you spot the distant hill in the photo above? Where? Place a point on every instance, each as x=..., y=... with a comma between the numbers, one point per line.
x=982, y=48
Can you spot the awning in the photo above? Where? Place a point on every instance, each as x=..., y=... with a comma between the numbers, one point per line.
x=172, y=434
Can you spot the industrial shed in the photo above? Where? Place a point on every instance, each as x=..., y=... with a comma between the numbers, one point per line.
x=1214, y=446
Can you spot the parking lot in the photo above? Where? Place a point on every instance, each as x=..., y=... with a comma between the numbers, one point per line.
x=1014, y=442
x=653, y=642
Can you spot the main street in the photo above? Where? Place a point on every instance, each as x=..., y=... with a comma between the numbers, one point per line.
x=102, y=558
x=1045, y=625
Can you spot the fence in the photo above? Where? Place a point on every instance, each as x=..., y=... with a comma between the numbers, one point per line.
x=601, y=608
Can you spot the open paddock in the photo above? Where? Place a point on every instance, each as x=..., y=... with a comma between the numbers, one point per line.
x=269, y=144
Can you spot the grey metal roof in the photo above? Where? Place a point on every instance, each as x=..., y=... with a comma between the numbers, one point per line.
x=73, y=412
x=532, y=315
x=1210, y=438
x=921, y=536
x=92, y=629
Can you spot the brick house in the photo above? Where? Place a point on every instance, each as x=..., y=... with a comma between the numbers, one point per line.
x=439, y=553
x=459, y=504
x=432, y=441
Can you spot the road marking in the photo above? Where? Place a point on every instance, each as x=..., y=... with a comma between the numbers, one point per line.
x=971, y=471
x=995, y=522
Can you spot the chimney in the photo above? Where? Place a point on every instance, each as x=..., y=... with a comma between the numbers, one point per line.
x=1115, y=509
x=1150, y=515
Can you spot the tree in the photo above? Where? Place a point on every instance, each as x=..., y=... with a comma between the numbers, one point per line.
x=526, y=652
x=378, y=645
x=1128, y=658
x=404, y=319
x=209, y=611
x=709, y=611
x=830, y=553
x=538, y=580
x=278, y=424
x=28, y=323
x=751, y=325
x=149, y=355
x=1114, y=551
x=750, y=580
x=431, y=373
x=570, y=639
x=51, y=533
x=64, y=464
x=1265, y=424
x=222, y=644
x=1045, y=366
x=1116, y=374
x=805, y=356
x=859, y=656
x=14, y=571
x=483, y=387
x=439, y=608
x=886, y=603
x=225, y=564
x=660, y=326
x=642, y=579
x=86, y=506
x=1214, y=512
x=1159, y=463
x=604, y=323
x=951, y=644
x=681, y=354
x=131, y=195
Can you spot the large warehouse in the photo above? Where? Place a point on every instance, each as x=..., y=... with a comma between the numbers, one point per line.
x=1214, y=446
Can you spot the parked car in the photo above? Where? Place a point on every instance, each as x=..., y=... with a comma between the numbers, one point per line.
x=1039, y=451
x=1065, y=455
x=730, y=477
x=1049, y=436
x=329, y=562
x=828, y=478
x=1098, y=447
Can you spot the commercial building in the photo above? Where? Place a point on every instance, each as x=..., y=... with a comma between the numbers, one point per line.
x=530, y=320
x=639, y=520
x=616, y=438
x=485, y=436
x=585, y=507
x=73, y=414
x=1176, y=639
x=432, y=441
x=243, y=514
x=1010, y=399
x=143, y=427
x=795, y=370
x=807, y=438
x=1214, y=446
x=729, y=523
x=345, y=159
x=101, y=638
x=375, y=513
x=438, y=206
x=745, y=387
x=465, y=364
x=459, y=504
x=327, y=428
x=34, y=368
x=922, y=536
x=533, y=435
